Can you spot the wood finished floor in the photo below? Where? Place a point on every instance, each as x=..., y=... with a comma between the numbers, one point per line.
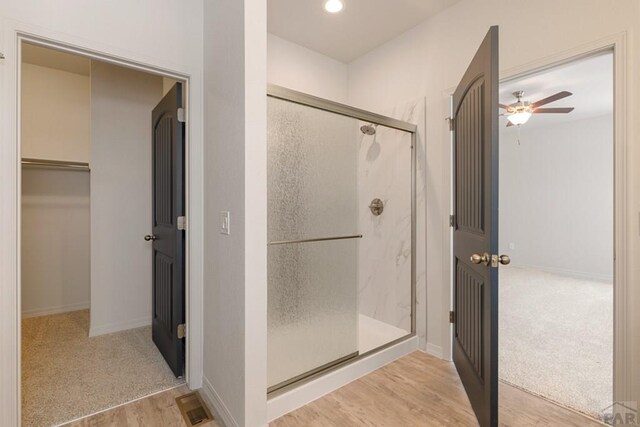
x=417, y=390
x=158, y=410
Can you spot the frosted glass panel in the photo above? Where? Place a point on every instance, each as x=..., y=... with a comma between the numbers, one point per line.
x=312, y=307
x=312, y=172
x=312, y=193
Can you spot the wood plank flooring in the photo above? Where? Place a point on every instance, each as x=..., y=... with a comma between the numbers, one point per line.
x=157, y=410
x=417, y=390
x=421, y=390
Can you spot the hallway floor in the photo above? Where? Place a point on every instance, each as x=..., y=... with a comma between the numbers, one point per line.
x=67, y=375
x=421, y=390
x=556, y=337
x=416, y=390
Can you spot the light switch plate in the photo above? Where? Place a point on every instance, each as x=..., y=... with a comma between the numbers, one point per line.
x=224, y=223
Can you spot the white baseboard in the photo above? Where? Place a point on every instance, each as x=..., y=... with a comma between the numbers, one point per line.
x=291, y=400
x=213, y=399
x=94, y=331
x=435, y=350
x=35, y=312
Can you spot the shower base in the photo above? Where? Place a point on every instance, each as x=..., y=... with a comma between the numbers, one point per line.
x=373, y=333
x=283, y=403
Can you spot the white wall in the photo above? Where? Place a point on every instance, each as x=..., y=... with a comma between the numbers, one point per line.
x=298, y=68
x=121, y=193
x=55, y=111
x=235, y=375
x=165, y=34
x=55, y=241
x=430, y=59
x=556, y=197
x=55, y=203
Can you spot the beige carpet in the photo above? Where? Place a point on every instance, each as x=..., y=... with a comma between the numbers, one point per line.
x=66, y=374
x=556, y=337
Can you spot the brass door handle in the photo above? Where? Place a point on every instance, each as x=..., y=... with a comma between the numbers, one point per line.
x=504, y=259
x=497, y=260
x=480, y=259
x=150, y=237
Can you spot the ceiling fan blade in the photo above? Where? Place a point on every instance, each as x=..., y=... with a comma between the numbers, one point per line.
x=551, y=99
x=506, y=107
x=560, y=110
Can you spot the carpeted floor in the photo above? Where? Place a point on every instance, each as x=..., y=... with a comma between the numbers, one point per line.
x=556, y=337
x=66, y=374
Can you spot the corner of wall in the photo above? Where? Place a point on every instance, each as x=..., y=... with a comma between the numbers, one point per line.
x=212, y=398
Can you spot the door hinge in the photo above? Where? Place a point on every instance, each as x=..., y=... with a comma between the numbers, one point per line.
x=452, y=220
x=181, y=115
x=452, y=317
x=182, y=223
x=182, y=331
x=450, y=120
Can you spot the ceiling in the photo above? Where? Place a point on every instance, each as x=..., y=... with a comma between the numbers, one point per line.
x=590, y=80
x=361, y=26
x=56, y=59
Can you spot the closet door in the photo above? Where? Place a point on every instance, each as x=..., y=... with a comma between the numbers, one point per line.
x=168, y=239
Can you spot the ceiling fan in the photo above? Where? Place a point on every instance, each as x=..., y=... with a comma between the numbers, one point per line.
x=520, y=111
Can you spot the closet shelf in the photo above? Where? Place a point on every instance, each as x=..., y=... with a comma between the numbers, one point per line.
x=61, y=164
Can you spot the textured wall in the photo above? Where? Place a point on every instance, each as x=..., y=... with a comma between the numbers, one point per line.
x=55, y=203
x=304, y=70
x=121, y=103
x=55, y=240
x=56, y=121
x=556, y=197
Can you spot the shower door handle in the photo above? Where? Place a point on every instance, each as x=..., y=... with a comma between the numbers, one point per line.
x=317, y=239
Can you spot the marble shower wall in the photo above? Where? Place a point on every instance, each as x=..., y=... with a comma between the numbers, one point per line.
x=384, y=172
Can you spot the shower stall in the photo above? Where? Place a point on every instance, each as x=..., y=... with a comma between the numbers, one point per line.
x=341, y=231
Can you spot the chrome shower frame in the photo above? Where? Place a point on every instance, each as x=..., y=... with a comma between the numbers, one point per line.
x=311, y=101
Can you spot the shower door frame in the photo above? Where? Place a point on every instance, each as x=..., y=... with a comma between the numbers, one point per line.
x=290, y=95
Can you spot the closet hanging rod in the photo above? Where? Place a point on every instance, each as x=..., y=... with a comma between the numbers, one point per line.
x=83, y=166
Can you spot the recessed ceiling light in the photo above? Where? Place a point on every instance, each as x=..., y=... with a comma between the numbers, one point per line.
x=333, y=6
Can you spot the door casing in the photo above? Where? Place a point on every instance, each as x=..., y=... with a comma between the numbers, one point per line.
x=618, y=45
x=193, y=306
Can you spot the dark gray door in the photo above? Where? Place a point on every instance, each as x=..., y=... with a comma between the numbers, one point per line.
x=475, y=235
x=168, y=239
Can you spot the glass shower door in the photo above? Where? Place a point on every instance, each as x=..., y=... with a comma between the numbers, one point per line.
x=313, y=240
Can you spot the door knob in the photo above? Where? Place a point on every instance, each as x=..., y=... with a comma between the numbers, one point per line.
x=149, y=237
x=497, y=260
x=480, y=259
x=504, y=259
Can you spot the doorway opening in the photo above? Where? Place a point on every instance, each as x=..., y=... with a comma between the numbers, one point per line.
x=102, y=164
x=557, y=225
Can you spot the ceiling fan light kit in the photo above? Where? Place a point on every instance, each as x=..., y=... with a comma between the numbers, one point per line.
x=519, y=118
x=521, y=111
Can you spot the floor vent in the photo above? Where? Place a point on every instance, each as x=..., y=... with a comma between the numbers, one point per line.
x=193, y=409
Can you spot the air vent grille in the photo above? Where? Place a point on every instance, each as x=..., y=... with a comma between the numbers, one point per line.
x=193, y=409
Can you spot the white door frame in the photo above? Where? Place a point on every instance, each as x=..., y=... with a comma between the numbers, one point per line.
x=618, y=45
x=10, y=210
